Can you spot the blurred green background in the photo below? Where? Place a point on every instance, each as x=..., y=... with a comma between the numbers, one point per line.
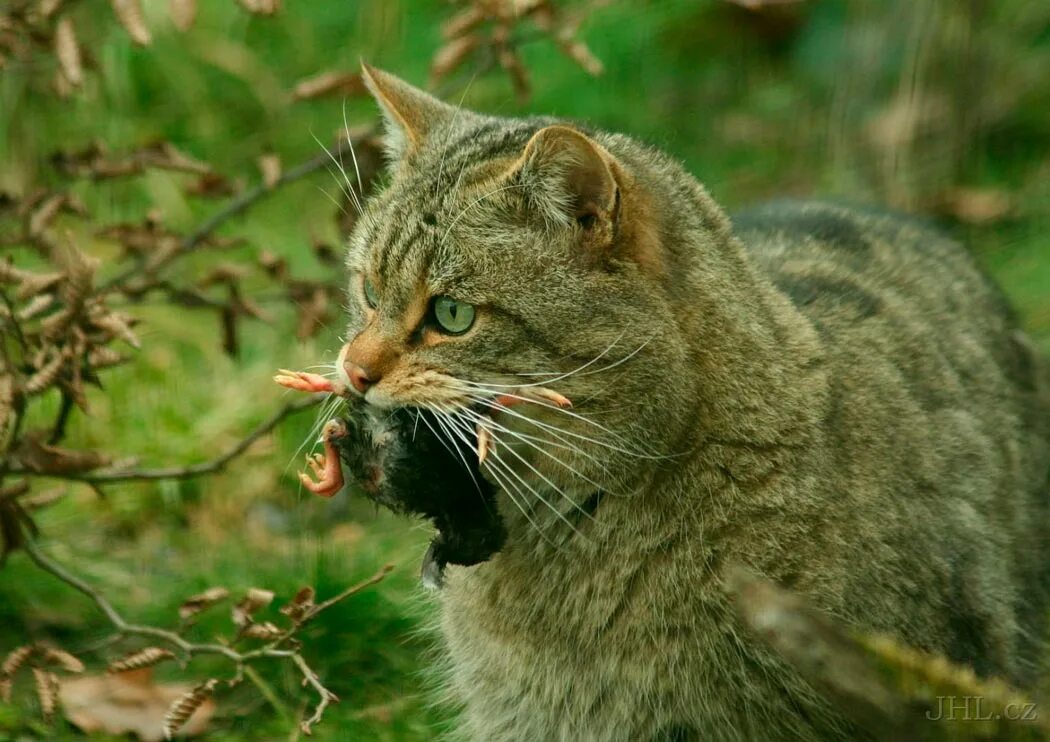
x=940, y=108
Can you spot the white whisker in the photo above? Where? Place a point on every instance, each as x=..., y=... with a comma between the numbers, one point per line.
x=350, y=189
x=353, y=155
x=474, y=203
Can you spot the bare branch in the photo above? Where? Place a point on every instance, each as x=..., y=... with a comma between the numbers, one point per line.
x=189, y=471
x=280, y=647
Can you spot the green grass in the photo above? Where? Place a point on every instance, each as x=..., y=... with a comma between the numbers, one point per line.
x=753, y=111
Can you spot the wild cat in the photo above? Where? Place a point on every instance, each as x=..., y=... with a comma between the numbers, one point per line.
x=836, y=399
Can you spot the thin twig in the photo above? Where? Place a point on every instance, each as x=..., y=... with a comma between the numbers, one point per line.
x=184, y=472
x=327, y=696
x=325, y=605
x=271, y=650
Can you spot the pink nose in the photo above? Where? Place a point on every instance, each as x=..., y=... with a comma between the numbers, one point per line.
x=360, y=377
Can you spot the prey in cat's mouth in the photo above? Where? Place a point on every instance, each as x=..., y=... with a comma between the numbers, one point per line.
x=396, y=457
x=328, y=472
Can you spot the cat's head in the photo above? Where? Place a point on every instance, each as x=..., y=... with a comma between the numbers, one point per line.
x=515, y=262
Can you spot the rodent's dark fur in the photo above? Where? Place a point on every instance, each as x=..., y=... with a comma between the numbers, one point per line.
x=398, y=462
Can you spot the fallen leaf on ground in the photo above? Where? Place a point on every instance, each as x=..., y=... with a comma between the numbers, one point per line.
x=128, y=703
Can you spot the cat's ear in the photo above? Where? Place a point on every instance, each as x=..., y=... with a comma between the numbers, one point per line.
x=409, y=113
x=568, y=177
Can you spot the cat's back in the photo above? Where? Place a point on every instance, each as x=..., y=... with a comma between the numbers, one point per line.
x=890, y=286
x=937, y=427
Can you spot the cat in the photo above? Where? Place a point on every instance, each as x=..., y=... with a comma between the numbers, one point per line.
x=835, y=398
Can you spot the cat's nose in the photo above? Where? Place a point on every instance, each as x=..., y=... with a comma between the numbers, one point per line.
x=360, y=377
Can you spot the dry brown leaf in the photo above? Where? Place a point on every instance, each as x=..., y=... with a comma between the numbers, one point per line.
x=329, y=83
x=270, y=167
x=103, y=357
x=255, y=600
x=128, y=703
x=977, y=205
x=61, y=86
x=6, y=685
x=36, y=306
x=43, y=216
x=183, y=13
x=273, y=264
x=117, y=325
x=211, y=185
x=42, y=458
x=326, y=254
x=129, y=13
x=223, y=273
x=511, y=62
x=142, y=658
x=580, y=53
x=265, y=631
x=166, y=156
x=47, y=8
x=61, y=657
x=7, y=399
x=185, y=706
x=261, y=7
x=46, y=376
x=15, y=659
x=67, y=50
x=37, y=283
x=197, y=603
x=451, y=55
x=46, y=691
x=79, y=268
x=41, y=500
x=463, y=22
x=301, y=605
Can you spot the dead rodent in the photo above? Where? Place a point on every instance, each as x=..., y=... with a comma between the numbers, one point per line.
x=397, y=460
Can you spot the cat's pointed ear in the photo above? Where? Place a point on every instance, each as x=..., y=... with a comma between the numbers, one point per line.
x=569, y=178
x=409, y=113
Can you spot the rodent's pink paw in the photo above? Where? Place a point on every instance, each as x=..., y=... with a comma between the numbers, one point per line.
x=301, y=381
x=326, y=467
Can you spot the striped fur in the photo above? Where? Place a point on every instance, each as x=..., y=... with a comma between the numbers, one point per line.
x=834, y=397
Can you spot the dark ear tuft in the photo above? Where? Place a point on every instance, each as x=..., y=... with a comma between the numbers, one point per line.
x=409, y=113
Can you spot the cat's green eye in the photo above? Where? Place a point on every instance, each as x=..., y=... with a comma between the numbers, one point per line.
x=453, y=316
x=370, y=294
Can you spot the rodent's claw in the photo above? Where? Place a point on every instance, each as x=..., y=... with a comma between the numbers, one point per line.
x=524, y=394
x=326, y=467
x=302, y=381
x=484, y=441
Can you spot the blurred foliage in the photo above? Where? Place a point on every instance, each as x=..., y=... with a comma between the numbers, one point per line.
x=941, y=108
